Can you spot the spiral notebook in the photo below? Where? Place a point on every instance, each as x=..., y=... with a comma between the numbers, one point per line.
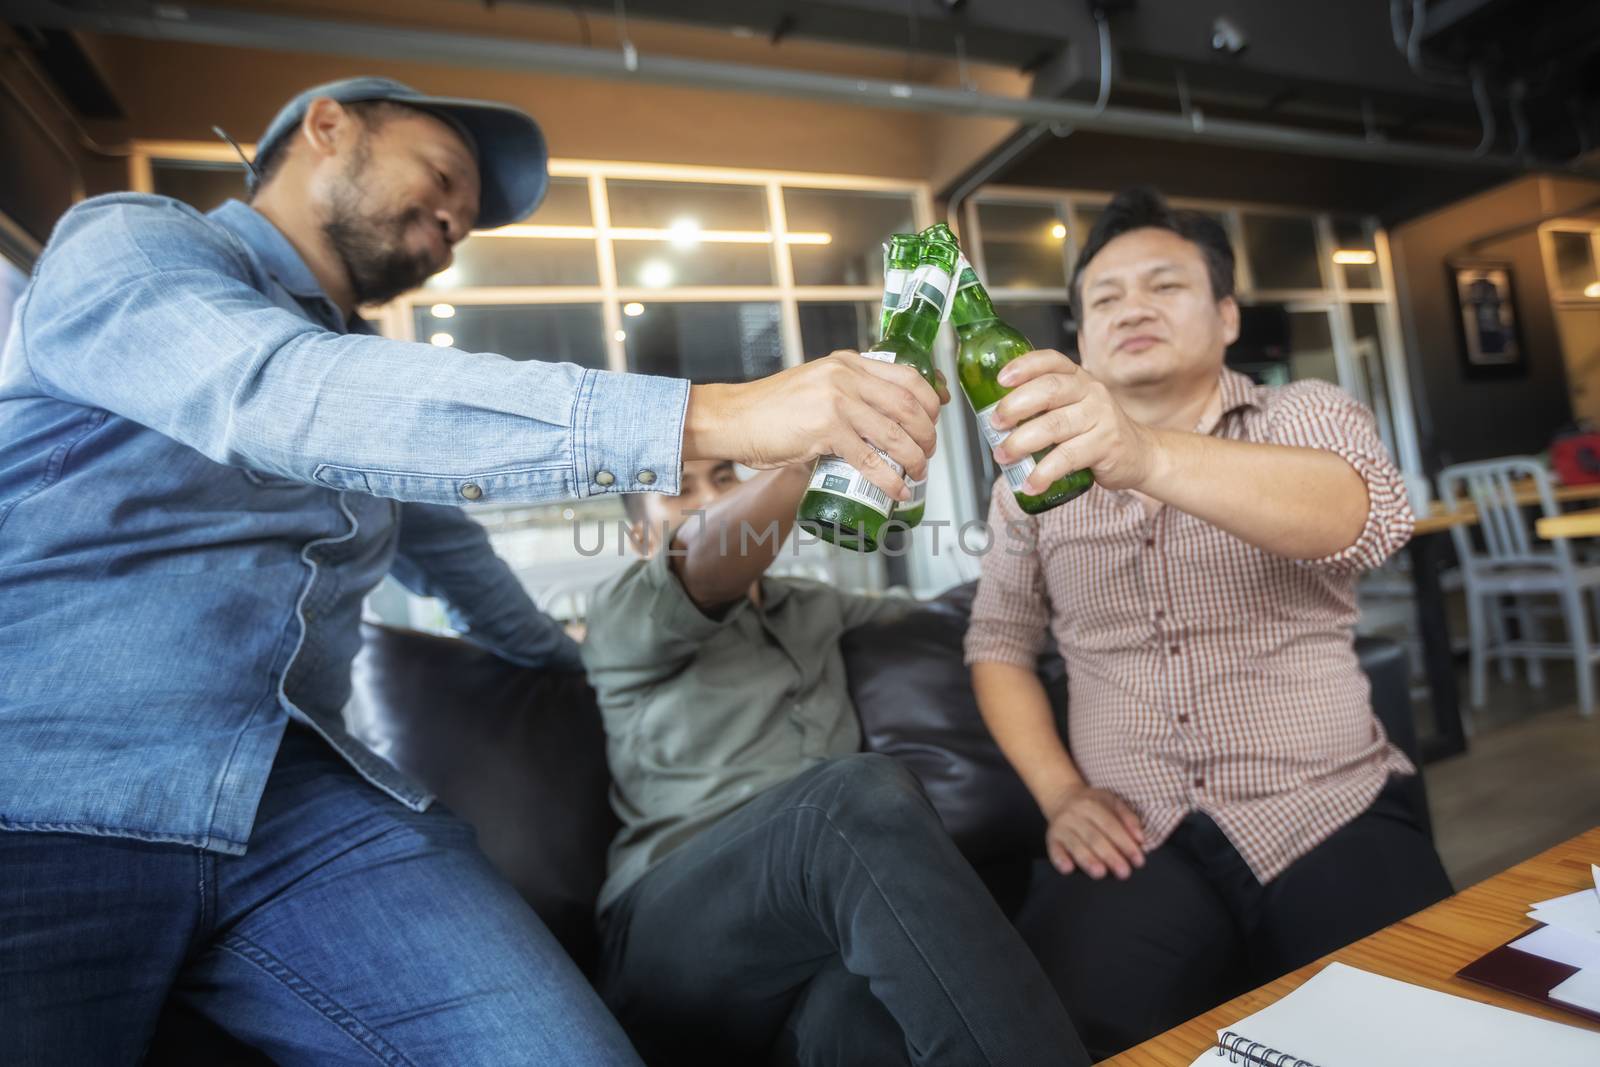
x=1346, y=1017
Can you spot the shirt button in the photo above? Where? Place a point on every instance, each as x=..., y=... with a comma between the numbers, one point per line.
x=1199, y=782
x=1149, y=542
x=1183, y=719
x=604, y=478
x=471, y=490
x=1160, y=613
x=646, y=477
x=1173, y=650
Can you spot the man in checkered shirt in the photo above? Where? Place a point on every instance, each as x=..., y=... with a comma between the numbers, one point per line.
x=1221, y=810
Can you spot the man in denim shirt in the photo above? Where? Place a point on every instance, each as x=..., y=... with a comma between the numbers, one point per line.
x=206, y=463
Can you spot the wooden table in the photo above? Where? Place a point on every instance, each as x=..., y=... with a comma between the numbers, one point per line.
x=1572, y=524
x=1440, y=517
x=1426, y=949
x=1438, y=652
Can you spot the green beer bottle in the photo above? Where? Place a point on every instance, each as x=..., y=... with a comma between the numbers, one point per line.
x=985, y=344
x=841, y=506
x=899, y=261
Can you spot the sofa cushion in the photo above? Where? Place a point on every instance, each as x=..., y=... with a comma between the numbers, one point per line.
x=520, y=754
x=915, y=700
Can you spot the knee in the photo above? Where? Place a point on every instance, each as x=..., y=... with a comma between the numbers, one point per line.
x=873, y=787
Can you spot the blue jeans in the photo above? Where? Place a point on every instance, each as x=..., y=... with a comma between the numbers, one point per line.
x=353, y=931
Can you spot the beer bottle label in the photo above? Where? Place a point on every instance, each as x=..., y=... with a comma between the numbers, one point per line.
x=833, y=475
x=1016, y=473
x=895, y=297
x=966, y=277
x=931, y=282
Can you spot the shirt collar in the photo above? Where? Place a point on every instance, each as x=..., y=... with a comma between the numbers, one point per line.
x=271, y=247
x=774, y=591
x=1238, y=391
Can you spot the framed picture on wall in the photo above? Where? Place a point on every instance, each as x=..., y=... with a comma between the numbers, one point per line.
x=1486, y=313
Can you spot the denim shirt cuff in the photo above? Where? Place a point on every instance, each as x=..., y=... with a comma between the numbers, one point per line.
x=628, y=433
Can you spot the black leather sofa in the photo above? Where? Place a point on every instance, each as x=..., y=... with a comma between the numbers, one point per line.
x=521, y=755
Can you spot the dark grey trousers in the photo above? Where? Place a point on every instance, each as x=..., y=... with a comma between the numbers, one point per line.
x=828, y=921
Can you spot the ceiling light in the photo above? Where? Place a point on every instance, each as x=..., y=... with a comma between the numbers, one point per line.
x=443, y=340
x=522, y=229
x=684, y=233
x=1592, y=290
x=443, y=311
x=1059, y=231
x=633, y=309
x=656, y=274
x=620, y=335
x=1355, y=257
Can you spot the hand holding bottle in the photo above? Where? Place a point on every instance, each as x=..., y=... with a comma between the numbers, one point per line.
x=1058, y=405
x=830, y=406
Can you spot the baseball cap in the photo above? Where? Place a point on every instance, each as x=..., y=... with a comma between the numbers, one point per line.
x=509, y=146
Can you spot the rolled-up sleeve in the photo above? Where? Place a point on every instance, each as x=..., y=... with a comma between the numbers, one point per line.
x=1317, y=414
x=142, y=308
x=1010, y=612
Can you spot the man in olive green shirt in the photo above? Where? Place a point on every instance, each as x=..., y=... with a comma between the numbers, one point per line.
x=775, y=895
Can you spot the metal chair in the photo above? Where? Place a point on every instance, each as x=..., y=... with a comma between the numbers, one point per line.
x=1505, y=558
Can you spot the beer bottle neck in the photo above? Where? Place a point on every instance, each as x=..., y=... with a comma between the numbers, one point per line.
x=971, y=306
x=918, y=324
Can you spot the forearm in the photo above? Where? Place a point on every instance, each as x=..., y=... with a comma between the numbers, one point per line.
x=1300, y=503
x=443, y=553
x=718, y=554
x=1017, y=711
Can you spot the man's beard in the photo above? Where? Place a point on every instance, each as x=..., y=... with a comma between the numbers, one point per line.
x=372, y=246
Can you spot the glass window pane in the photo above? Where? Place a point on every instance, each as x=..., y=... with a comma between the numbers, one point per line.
x=1311, y=347
x=702, y=205
x=1355, y=236
x=494, y=261
x=710, y=342
x=552, y=333
x=1369, y=364
x=1045, y=325
x=1575, y=267
x=825, y=327
x=664, y=264
x=202, y=186
x=1277, y=346
x=1023, y=246
x=1086, y=217
x=856, y=224
x=566, y=203
x=1282, y=252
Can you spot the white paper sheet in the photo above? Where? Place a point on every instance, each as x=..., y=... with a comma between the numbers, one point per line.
x=1561, y=945
x=1579, y=912
x=1582, y=990
x=1346, y=1017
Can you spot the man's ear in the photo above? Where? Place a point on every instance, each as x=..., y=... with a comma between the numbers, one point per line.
x=327, y=126
x=1229, y=308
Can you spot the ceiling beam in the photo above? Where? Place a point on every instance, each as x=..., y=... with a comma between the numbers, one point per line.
x=239, y=28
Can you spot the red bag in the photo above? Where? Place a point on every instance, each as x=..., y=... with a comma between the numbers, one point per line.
x=1575, y=458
